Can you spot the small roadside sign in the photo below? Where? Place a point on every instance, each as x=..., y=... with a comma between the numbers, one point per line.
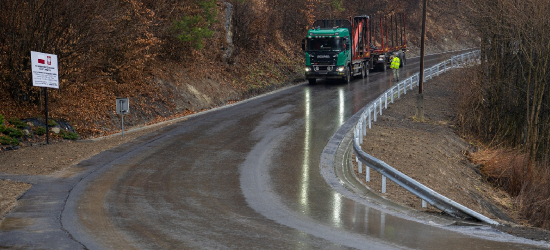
x=44, y=70
x=122, y=106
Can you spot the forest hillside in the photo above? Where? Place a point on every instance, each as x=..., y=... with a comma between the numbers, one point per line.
x=173, y=58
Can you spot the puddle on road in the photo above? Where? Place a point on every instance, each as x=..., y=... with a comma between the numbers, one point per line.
x=14, y=223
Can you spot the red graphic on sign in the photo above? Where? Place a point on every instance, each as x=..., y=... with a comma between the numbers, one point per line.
x=49, y=60
x=41, y=61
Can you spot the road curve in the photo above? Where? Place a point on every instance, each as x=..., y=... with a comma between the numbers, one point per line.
x=245, y=176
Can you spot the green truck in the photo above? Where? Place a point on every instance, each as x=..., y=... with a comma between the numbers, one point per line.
x=342, y=49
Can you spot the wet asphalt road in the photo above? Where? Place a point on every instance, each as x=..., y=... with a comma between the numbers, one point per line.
x=242, y=177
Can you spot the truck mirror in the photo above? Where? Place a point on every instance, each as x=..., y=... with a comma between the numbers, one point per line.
x=303, y=44
x=346, y=41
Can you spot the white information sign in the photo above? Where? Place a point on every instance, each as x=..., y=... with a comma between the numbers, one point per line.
x=44, y=70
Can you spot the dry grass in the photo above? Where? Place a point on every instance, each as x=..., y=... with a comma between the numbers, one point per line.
x=504, y=167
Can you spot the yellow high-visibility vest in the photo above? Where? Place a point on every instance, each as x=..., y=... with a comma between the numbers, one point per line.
x=395, y=63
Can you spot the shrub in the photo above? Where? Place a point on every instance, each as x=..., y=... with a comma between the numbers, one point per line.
x=9, y=130
x=6, y=140
x=69, y=135
x=40, y=130
x=16, y=133
x=2, y=128
x=193, y=29
x=1, y=119
x=51, y=122
x=18, y=123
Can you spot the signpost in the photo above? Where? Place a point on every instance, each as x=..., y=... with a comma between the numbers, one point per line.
x=45, y=74
x=122, y=107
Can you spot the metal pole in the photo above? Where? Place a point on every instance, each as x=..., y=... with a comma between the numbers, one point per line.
x=46, y=106
x=122, y=115
x=122, y=124
x=391, y=31
x=420, y=97
x=422, y=47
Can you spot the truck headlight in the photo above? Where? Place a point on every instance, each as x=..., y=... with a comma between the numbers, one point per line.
x=340, y=69
x=308, y=69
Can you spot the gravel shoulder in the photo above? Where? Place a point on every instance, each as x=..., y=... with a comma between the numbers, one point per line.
x=433, y=154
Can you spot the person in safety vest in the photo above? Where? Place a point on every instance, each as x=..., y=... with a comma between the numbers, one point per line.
x=395, y=67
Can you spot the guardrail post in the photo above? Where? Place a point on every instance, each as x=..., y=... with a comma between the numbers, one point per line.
x=364, y=125
x=360, y=135
x=424, y=204
x=383, y=184
x=359, y=165
x=374, y=111
x=380, y=105
x=355, y=136
x=398, y=91
x=367, y=175
x=370, y=118
x=386, y=100
x=405, y=89
x=427, y=74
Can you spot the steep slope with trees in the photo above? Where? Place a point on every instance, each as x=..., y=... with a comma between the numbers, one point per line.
x=173, y=58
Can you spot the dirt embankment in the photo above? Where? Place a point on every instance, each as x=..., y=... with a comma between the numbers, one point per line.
x=434, y=155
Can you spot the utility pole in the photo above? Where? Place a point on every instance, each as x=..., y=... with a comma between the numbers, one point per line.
x=420, y=97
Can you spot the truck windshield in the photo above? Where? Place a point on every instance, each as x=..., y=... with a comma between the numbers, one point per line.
x=324, y=44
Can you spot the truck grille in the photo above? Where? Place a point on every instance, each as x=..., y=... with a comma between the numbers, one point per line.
x=323, y=69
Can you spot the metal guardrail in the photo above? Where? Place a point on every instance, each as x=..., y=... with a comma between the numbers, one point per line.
x=370, y=114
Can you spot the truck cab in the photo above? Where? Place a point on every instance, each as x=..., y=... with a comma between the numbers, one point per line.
x=327, y=50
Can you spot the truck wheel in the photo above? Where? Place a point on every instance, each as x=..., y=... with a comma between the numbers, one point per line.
x=348, y=76
x=312, y=81
x=384, y=67
x=363, y=70
x=403, y=60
